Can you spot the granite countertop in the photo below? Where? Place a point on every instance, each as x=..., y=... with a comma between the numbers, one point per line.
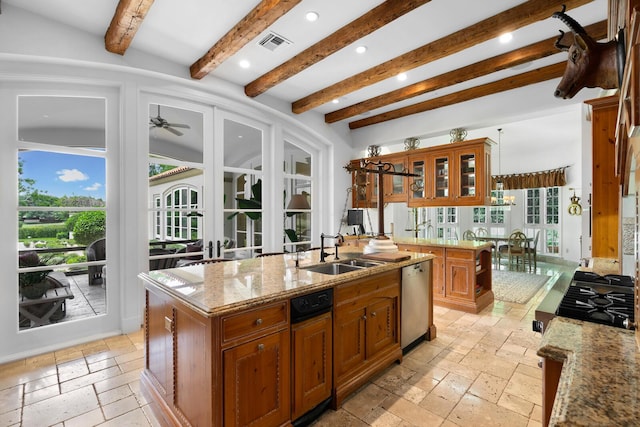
x=213, y=289
x=602, y=266
x=600, y=380
x=462, y=244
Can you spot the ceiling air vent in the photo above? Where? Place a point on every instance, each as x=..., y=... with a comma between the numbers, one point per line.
x=273, y=41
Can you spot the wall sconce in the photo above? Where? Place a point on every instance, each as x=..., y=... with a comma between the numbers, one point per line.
x=575, y=208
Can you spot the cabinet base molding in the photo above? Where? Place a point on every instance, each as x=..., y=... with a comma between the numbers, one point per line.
x=357, y=380
x=482, y=301
x=162, y=412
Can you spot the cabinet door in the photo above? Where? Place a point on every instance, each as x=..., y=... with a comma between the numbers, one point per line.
x=439, y=183
x=438, y=270
x=460, y=278
x=159, y=342
x=381, y=324
x=348, y=338
x=257, y=383
x=312, y=355
x=395, y=186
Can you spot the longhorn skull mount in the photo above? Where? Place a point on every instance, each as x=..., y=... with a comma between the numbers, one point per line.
x=591, y=63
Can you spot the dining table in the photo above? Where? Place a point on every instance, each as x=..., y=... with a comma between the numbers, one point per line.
x=496, y=245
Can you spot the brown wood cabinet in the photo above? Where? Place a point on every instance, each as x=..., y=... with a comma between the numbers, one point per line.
x=312, y=363
x=456, y=174
x=366, y=330
x=461, y=277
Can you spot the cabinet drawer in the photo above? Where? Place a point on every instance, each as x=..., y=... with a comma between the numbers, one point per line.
x=353, y=291
x=433, y=250
x=253, y=322
x=461, y=254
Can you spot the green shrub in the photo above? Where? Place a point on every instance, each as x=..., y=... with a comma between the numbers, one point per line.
x=62, y=235
x=89, y=226
x=40, y=231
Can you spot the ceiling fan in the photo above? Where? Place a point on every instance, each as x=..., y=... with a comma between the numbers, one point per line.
x=159, y=122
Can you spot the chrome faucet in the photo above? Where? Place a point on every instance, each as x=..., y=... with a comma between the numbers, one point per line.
x=338, y=241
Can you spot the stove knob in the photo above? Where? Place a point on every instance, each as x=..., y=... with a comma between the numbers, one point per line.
x=537, y=326
x=628, y=324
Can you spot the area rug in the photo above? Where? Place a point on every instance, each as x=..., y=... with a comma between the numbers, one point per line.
x=516, y=287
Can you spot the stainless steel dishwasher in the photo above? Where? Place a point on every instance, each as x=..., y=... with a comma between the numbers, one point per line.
x=415, y=304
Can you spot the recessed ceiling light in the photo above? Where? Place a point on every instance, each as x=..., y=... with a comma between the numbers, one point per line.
x=402, y=77
x=335, y=101
x=312, y=16
x=361, y=49
x=245, y=64
x=506, y=38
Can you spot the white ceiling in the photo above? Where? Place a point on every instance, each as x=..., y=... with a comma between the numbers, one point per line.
x=182, y=31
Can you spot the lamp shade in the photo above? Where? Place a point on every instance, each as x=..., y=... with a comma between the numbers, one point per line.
x=298, y=202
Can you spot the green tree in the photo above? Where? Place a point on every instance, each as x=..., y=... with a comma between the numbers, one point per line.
x=89, y=226
x=156, y=168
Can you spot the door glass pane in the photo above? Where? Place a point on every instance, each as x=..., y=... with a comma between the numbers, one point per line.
x=61, y=212
x=417, y=185
x=175, y=184
x=297, y=198
x=442, y=176
x=242, y=189
x=467, y=175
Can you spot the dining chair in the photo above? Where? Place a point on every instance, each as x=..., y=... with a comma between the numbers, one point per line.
x=532, y=251
x=482, y=232
x=515, y=249
x=469, y=235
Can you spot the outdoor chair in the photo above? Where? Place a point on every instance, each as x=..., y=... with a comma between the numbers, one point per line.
x=161, y=263
x=96, y=251
x=207, y=261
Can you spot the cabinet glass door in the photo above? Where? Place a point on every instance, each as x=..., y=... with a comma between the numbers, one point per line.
x=441, y=171
x=467, y=178
x=417, y=183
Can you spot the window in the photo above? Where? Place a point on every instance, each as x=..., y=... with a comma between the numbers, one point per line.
x=480, y=215
x=297, y=184
x=542, y=214
x=447, y=220
x=180, y=223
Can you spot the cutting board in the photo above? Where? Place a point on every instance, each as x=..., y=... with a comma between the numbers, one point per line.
x=387, y=256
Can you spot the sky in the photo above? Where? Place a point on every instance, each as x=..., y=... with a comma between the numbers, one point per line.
x=60, y=175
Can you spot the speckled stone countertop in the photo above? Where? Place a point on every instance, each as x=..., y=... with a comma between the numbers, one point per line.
x=462, y=244
x=217, y=288
x=600, y=380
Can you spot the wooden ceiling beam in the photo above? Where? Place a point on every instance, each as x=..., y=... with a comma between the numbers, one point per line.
x=535, y=76
x=514, y=58
x=124, y=24
x=519, y=16
x=366, y=24
x=248, y=28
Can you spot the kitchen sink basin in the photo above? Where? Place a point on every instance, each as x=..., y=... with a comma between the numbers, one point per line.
x=361, y=263
x=342, y=266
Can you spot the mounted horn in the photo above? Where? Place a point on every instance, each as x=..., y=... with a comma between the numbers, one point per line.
x=562, y=47
x=569, y=21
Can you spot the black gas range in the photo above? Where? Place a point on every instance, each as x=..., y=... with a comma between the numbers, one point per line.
x=606, y=299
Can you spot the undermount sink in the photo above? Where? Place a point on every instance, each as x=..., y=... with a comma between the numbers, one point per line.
x=342, y=266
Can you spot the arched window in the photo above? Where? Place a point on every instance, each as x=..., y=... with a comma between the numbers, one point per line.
x=179, y=223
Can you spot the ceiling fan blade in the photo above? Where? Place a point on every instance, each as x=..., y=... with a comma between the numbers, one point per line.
x=173, y=131
x=179, y=125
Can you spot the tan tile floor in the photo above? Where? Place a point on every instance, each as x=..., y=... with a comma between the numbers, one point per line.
x=481, y=370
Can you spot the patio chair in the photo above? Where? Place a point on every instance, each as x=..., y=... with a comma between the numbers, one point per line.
x=161, y=263
x=207, y=261
x=96, y=251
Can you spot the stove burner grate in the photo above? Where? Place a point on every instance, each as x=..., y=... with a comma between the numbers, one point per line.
x=609, y=308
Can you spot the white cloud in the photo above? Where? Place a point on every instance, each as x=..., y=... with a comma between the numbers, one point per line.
x=71, y=175
x=95, y=187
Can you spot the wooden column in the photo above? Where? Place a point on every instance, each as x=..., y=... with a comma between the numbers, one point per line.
x=606, y=190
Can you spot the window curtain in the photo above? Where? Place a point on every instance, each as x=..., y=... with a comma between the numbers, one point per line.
x=516, y=181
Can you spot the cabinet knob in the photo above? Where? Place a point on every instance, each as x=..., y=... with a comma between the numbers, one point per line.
x=258, y=321
x=364, y=317
x=373, y=314
x=168, y=324
x=260, y=347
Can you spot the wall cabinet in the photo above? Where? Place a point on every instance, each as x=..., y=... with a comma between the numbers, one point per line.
x=457, y=174
x=461, y=277
x=366, y=330
x=364, y=189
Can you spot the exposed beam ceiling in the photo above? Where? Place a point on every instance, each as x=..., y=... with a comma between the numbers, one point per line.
x=125, y=23
x=258, y=20
x=501, y=62
x=353, y=31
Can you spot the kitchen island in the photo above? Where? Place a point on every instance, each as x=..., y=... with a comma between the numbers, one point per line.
x=220, y=347
x=461, y=271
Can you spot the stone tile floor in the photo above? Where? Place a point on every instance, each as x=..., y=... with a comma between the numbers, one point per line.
x=481, y=370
